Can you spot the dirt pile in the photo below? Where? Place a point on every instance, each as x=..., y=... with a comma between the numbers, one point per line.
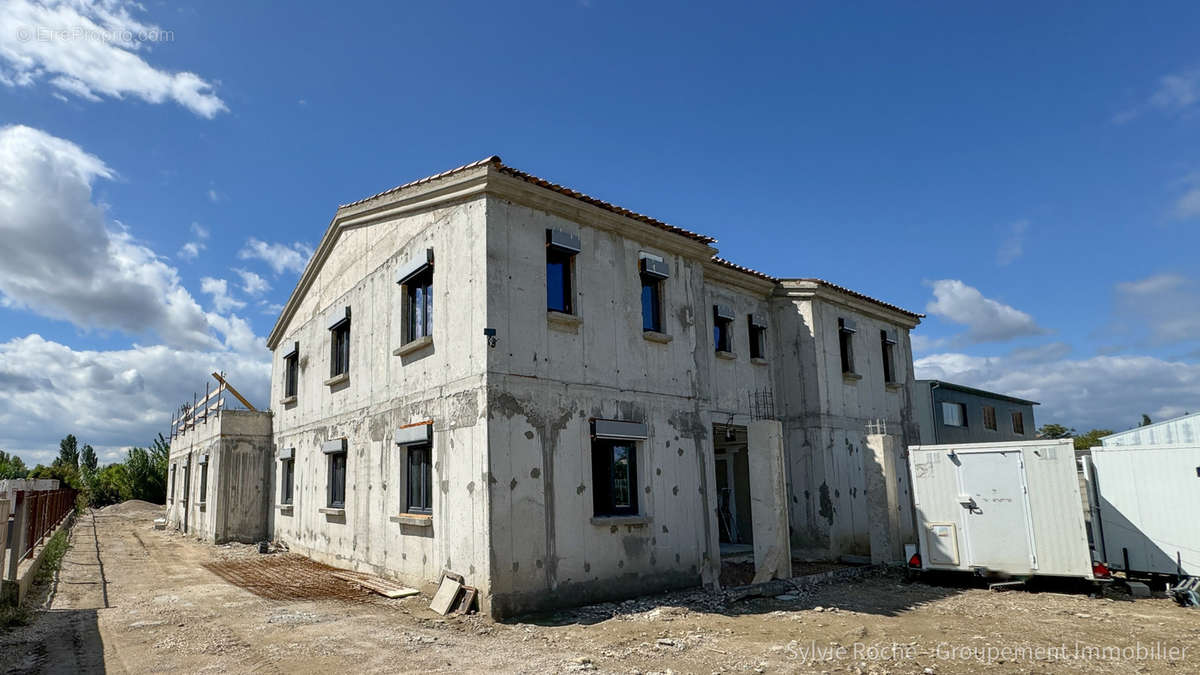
x=134, y=507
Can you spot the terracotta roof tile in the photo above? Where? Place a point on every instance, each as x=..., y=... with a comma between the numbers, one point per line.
x=740, y=268
x=541, y=182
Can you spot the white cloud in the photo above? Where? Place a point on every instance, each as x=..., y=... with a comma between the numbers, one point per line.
x=1187, y=204
x=1013, y=246
x=219, y=290
x=252, y=284
x=192, y=249
x=1176, y=93
x=1098, y=392
x=986, y=320
x=62, y=261
x=1165, y=308
x=94, y=48
x=111, y=399
x=280, y=257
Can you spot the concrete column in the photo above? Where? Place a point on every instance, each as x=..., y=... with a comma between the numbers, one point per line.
x=884, y=505
x=768, y=501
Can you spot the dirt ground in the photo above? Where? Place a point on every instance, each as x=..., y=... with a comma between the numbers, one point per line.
x=133, y=599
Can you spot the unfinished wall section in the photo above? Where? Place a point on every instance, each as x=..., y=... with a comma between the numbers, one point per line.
x=219, y=478
x=827, y=415
x=551, y=374
x=392, y=383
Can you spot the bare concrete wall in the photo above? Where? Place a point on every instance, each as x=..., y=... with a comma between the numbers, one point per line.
x=826, y=418
x=234, y=505
x=442, y=382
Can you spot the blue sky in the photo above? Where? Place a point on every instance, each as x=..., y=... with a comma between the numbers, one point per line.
x=1026, y=175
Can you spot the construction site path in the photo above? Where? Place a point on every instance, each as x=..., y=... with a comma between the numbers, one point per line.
x=132, y=599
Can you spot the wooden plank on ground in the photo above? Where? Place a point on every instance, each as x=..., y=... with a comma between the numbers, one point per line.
x=388, y=589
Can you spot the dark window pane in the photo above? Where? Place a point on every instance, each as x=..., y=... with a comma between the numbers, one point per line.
x=614, y=478
x=337, y=480
x=289, y=474
x=621, y=488
x=651, y=305
x=846, y=345
x=419, y=493
x=558, y=281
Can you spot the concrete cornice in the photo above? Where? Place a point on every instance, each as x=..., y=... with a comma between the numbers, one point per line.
x=814, y=288
x=717, y=273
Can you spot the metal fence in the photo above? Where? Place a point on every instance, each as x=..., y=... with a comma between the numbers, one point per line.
x=34, y=517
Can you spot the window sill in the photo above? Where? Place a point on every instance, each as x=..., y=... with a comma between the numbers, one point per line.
x=337, y=379
x=287, y=400
x=331, y=511
x=758, y=361
x=285, y=509
x=413, y=519
x=413, y=346
x=851, y=378
x=893, y=386
x=655, y=336
x=605, y=521
x=728, y=356
x=568, y=323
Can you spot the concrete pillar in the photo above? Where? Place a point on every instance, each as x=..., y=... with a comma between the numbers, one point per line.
x=884, y=503
x=768, y=501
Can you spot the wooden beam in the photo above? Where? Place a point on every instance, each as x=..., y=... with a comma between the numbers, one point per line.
x=235, y=393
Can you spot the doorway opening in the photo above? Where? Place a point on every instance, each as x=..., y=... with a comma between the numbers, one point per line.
x=735, y=524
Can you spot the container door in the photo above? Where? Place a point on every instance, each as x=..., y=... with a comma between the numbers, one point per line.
x=996, y=518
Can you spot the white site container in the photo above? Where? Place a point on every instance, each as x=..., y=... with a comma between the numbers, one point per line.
x=1010, y=508
x=1146, y=507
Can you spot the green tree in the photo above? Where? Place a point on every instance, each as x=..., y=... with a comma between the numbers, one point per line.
x=67, y=475
x=68, y=452
x=12, y=466
x=104, y=486
x=1091, y=439
x=145, y=473
x=1145, y=420
x=1053, y=431
x=87, y=458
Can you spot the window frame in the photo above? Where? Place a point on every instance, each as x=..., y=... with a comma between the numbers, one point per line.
x=565, y=260
x=603, y=480
x=1018, y=422
x=333, y=460
x=291, y=372
x=888, y=347
x=202, y=497
x=846, y=331
x=418, y=305
x=756, y=334
x=287, y=481
x=962, y=414
x=420, y=476
x=339, y=347
x=653, y=286
x=722, y=331
x=989, y=415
